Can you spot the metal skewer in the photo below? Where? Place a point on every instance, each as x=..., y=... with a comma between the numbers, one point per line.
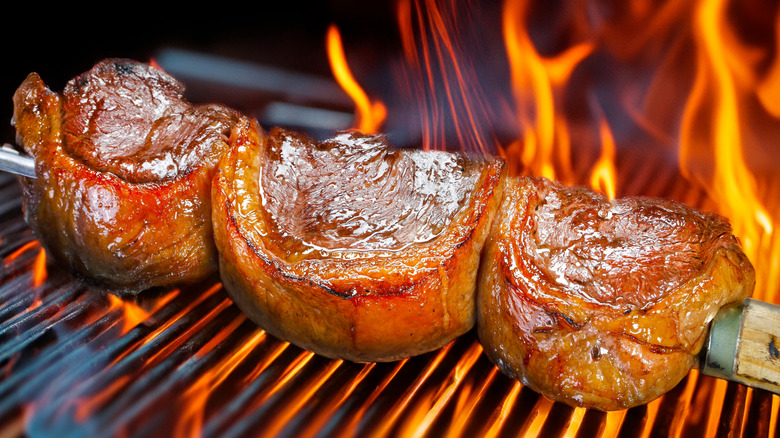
x=14, y=162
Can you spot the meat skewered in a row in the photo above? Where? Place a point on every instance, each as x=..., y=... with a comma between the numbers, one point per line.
x=357, y=250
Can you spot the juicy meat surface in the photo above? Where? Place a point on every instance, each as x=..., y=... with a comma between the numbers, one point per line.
x=132, y=120
x=124, y=166
x=598, y=303
x=349, y=247
x=352, y=193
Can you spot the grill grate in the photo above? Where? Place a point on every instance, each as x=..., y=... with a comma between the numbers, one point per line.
x=76, y=361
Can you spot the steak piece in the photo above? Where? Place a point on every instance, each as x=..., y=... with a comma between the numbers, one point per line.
x=351, y=248
x=602, y=304
x=124, y=166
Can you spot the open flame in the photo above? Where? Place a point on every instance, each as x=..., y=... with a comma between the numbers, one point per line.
x=664, y=80
x=714, y=120
x=603, y=178
x=370, y=114
x=674, y=80
x=538, y=84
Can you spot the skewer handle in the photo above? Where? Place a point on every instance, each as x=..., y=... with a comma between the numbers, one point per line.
x=14, y=162
x=744, y=345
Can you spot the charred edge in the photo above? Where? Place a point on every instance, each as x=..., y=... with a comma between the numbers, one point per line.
x=772, y=348
x=564, y=320
x=124, y=67
x=656, y=349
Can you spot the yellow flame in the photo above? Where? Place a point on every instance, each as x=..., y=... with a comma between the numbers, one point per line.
x=613, y=421
x=467, y=402
x=500, y=416
x=604, y=176
x=574, y=423
x=538, y=417
x=713, y=115
x=370, y=115
x=403, y=402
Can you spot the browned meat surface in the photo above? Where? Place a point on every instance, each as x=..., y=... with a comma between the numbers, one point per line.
x=349, y=247
x=603, y=304
x=124, y=166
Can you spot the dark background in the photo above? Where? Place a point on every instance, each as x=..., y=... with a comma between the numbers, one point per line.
x=61, y=41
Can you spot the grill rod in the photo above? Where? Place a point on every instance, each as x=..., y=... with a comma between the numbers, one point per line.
x=14, y=162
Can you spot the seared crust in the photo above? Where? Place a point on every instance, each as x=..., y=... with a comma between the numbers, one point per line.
x=602, y=304
x=364, y=304
x=113, y=225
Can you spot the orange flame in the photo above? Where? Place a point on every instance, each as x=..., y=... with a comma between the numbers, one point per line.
x=537, y=83
x=370, y=115
x=196, y=396
x=500, y=416
x=442, y=77
x=132, y=313
x=21, y=250
x=39, y=268
x=430, y=405
x=769, y=87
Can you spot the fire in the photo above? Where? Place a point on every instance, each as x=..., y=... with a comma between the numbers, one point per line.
x=714, y=120
x=537, y=84
x=432, y=404
x=39, y=268
x=673, y=80
x=604, y=175
x=196, y=396
x=21, y=250
x=132, y=313
x=442, y=78
x=370, y=115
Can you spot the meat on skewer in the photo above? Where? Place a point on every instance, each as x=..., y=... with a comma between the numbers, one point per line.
x=351, y=248
x=124, y=166
x=598, y=303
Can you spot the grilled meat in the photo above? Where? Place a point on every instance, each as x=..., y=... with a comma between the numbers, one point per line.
x=124, y=166
x=356, y=250
x=351, y=248
x=598, y=303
